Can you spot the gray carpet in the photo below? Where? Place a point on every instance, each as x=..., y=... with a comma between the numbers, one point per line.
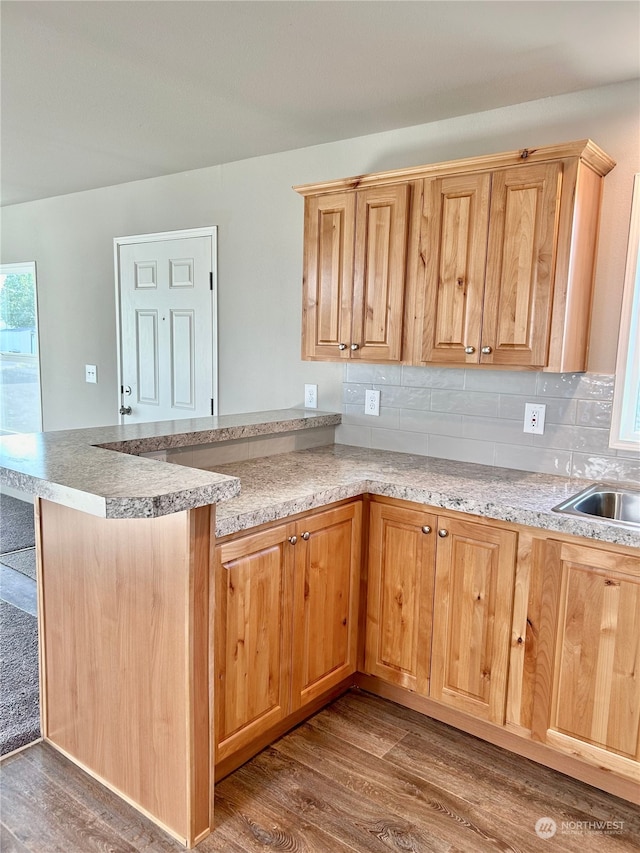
x=19, y=696
x=22, y=561
x=17, y=529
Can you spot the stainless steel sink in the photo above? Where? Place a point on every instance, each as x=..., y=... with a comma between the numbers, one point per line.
x=619, y=505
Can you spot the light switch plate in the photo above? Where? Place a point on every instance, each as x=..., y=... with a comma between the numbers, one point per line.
x=90, y=373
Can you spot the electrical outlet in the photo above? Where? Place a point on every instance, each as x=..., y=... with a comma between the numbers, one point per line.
x=311, y=396
x=534, y=417
x=90, y=373
x=371, y=402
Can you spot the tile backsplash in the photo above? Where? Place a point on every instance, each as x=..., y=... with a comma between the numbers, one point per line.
x=477, y=416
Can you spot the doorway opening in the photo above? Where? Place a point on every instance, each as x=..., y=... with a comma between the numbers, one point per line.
x=20, y=388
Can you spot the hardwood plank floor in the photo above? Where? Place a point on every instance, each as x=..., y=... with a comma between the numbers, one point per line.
x=362, y=775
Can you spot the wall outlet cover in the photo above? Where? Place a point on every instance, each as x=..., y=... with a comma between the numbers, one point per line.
x=534, y=414
x=90, y=373
x=311, y=396
x=371, y=402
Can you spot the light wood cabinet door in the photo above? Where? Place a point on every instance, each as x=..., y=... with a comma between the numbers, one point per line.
x=400, y=596
x=521, y=259
x=473, y=599
x=587, y=698
x=382, y=216
x=252, y=636
x=355, y=259
x=453, y=253
x=325, y=601
x=329, y=241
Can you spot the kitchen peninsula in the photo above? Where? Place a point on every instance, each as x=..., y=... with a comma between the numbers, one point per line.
x=131, y=618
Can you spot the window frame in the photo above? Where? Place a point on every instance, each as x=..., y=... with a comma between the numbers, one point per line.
x=625, y=417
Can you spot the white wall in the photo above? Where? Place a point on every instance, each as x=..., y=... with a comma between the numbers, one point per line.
x=260, y=249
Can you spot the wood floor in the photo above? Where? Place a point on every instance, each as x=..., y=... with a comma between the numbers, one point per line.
x=362, y=775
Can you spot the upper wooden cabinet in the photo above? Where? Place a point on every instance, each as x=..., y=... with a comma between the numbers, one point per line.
x=487, y=261
x=355, y=259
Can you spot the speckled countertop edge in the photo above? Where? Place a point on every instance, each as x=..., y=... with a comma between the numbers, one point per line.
x=275, y=487
x=79, y=468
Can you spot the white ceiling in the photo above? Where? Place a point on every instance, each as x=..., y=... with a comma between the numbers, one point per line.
x=100, y=92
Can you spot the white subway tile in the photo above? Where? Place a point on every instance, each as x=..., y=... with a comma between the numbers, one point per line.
x=495, y=429
x=433, y=377
x=378, y=374
x=405, y=398
x=594, y=413
x=405, y=442
x=387, y=419
x=461, y=449
x=533, y=459
x=355, y=435
x=465, y=402
x=500, y=381
x=436, y=423
x=593, y=467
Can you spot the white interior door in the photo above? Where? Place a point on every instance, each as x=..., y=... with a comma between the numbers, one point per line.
x=167, y=340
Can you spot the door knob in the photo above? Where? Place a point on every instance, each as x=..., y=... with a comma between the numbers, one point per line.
x=293, y=539
x=469, y=350
x=306, y=535
x=426, y=528
x=354, y=347
x=342, y=347
x=486, y=350
x=442, y=533
x=125, y=410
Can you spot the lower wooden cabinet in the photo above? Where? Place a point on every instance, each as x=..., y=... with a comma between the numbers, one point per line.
x=439, y=604
x=286, y=620
x=473, y=599
x=587, y=695
x=461, y=612
x=400, y=595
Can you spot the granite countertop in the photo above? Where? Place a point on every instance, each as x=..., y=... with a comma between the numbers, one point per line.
x=274, y=487
x=79, y=468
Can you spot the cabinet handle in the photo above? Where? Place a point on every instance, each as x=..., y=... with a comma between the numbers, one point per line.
x=354, y=347
x=293, y=539
x=342, y=347
x=442, y=533
x=486, y=350
x=469, y=350
x=426, y=528
x=306, y=535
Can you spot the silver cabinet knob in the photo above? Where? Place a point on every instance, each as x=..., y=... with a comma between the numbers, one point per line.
x=486, y=350
x=125, y=410
x=426, y=528
x=469, y=350
x=442, y=533
x=342, y=347
x=293, y=539
x=354, y=347
x=306, y=535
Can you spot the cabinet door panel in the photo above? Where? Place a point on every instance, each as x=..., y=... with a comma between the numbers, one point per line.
x=521, y=264
x=475, y=568
x=326, y=586
x=382, y=217
x=328, y=282
x=453, y=253
x=596, y=692
x=252, y=636
x=400, y=596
